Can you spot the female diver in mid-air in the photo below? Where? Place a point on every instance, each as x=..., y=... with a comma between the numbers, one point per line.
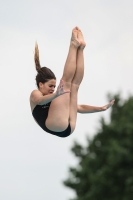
x=56, y=112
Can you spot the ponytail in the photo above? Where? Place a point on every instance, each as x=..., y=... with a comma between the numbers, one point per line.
x=36, y=58
x=43, y=73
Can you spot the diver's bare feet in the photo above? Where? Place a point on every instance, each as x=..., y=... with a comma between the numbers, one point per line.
x=74, y=39
x=81, y=39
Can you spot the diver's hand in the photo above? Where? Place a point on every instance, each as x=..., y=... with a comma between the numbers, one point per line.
x=108, y=105
x=60, y=90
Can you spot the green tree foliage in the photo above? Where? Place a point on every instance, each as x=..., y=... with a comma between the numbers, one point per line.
x=105, y=168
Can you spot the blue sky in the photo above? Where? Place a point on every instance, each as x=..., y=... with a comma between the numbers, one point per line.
x=33, y=164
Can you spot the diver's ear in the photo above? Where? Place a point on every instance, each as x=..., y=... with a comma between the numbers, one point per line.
x=40, y=84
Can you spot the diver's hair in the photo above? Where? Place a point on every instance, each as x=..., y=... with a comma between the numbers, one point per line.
x=36, y=58
x=43, y=73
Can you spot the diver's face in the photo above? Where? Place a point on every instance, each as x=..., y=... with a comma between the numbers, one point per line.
x=47, y=87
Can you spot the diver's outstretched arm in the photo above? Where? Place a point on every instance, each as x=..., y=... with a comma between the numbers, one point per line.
x=84, y=109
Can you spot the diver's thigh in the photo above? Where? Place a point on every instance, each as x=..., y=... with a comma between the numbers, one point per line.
x=58, y=115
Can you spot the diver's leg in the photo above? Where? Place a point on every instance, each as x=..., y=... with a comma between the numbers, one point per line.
x=76, y=82
x=70, y=65
x=80, y=61
x=58, y=116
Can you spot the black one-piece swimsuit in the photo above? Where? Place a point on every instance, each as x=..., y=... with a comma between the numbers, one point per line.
x=40, y=113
